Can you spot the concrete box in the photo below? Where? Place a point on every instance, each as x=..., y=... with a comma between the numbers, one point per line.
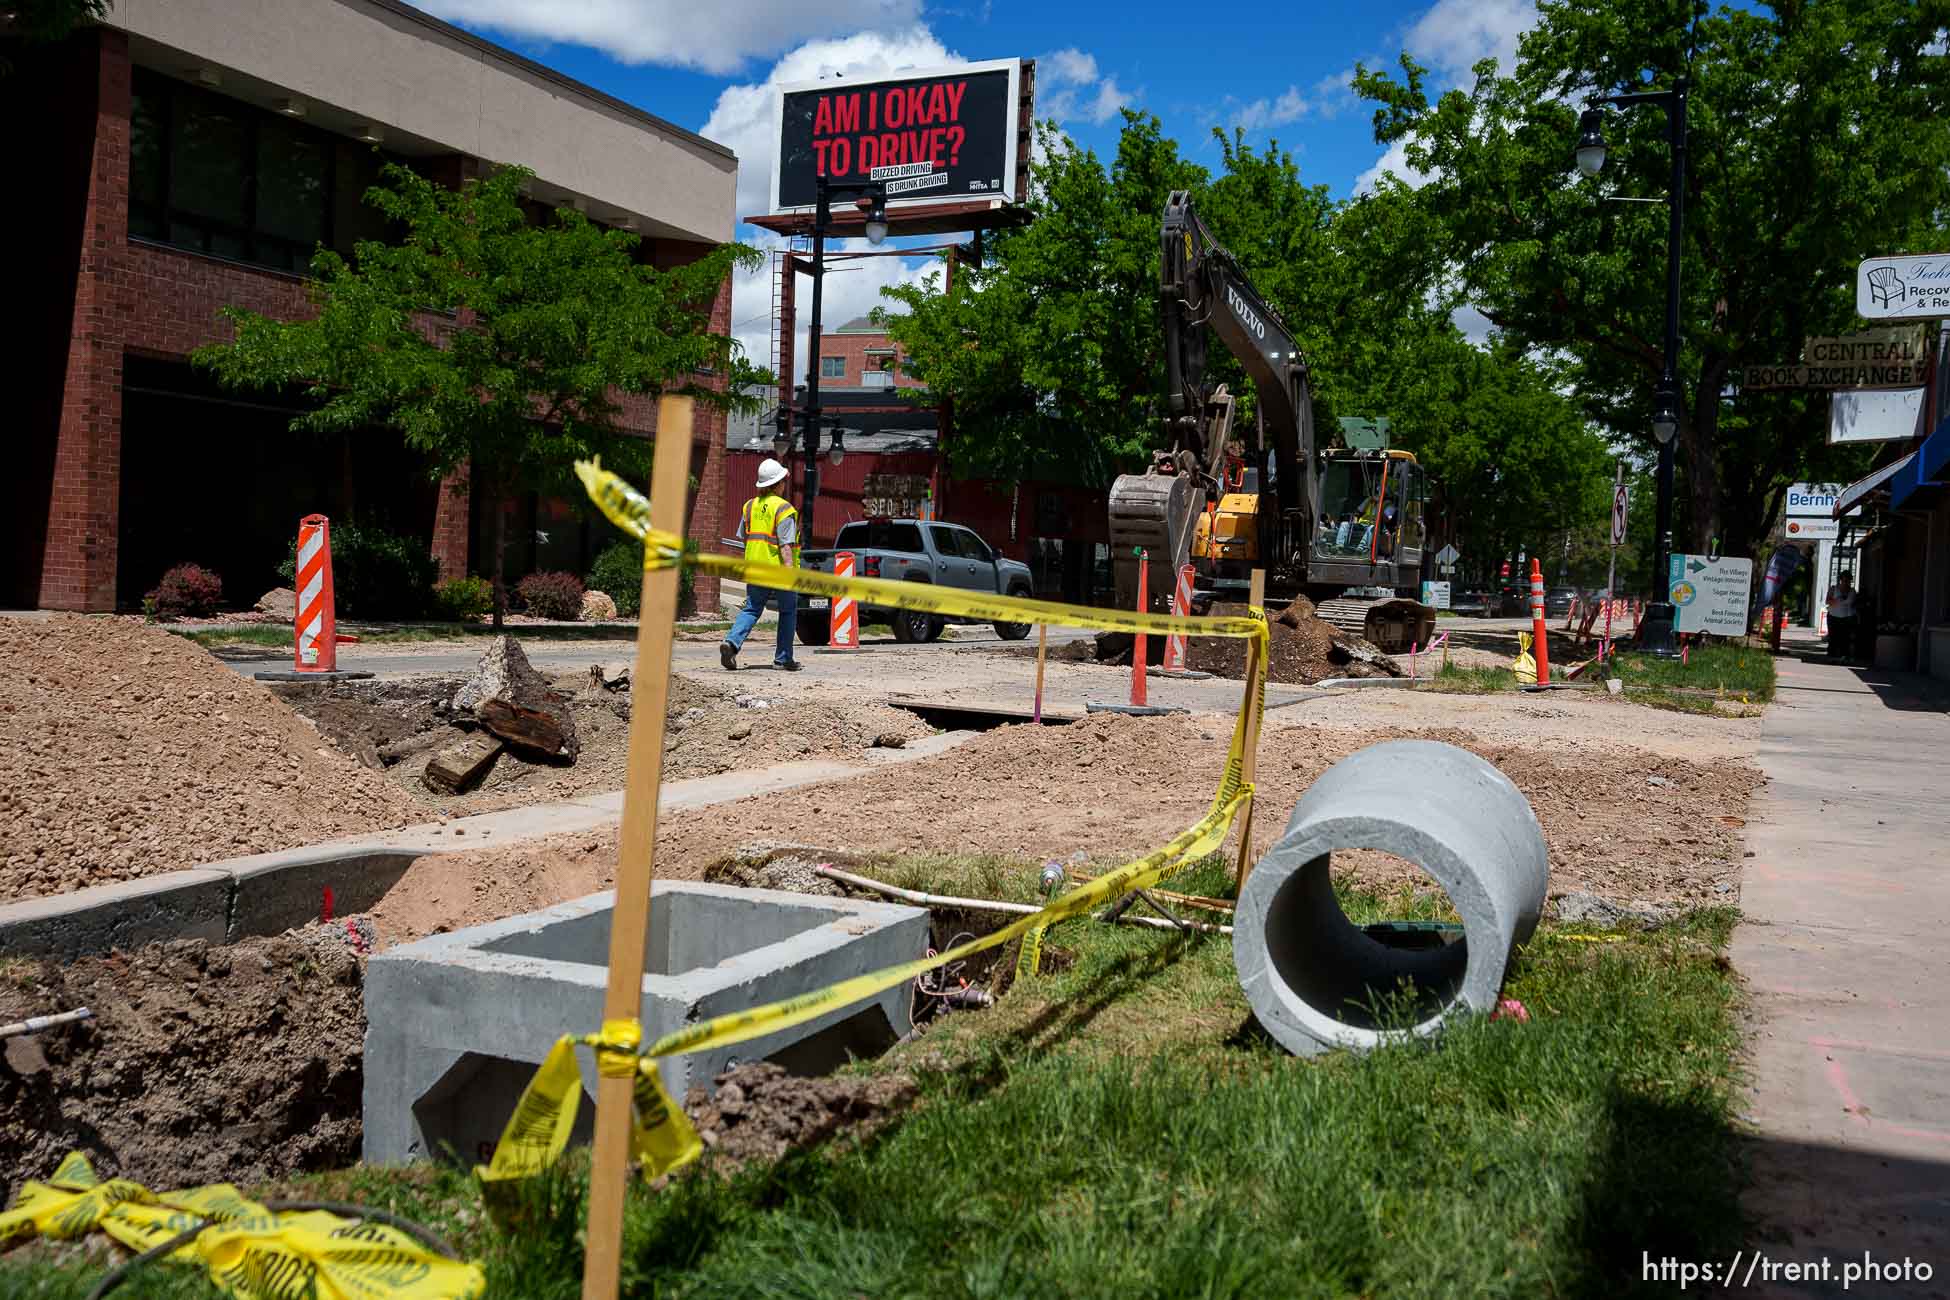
x=457, y=1023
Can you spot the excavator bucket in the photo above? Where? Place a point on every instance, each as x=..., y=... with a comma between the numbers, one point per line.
x=1157, y=512
x=1393, y=624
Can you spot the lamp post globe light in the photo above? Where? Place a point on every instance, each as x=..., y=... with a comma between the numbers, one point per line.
x=1656, y=632
x=871, y=198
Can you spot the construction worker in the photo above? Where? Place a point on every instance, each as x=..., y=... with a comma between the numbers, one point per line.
x=769, y=528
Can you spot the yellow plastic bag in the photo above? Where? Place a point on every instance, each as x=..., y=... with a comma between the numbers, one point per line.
x=1524, y=665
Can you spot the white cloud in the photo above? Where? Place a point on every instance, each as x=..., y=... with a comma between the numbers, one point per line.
x=1394, y=164
x=1334, y=95
x=714, y=37
x=1474, y=325
x=742, y=119
x=1451, y=38
x=852, y=289
x=1289, y=107
x=1455, y=34
x=1069, y=87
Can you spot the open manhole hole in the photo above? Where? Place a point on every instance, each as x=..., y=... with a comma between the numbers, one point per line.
x=947, y=716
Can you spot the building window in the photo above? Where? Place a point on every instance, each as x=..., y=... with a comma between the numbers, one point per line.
x=832, y=367
x=223, y=177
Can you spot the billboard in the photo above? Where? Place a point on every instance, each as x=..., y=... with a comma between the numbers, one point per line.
x=934, y=136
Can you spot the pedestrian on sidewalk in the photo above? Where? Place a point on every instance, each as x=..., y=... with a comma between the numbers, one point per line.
x=1841, y=617
x=769, y=528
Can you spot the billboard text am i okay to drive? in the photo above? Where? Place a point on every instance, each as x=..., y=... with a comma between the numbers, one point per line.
x=856, y=132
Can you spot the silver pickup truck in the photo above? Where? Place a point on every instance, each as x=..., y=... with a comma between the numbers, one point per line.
x=914, y=550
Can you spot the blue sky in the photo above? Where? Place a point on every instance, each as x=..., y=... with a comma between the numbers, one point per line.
x=1281, y=73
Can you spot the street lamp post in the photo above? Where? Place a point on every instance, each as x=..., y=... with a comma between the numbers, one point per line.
x=1657, y=634
x=871, y=197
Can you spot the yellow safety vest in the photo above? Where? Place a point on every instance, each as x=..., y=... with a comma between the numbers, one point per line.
x=762, y=518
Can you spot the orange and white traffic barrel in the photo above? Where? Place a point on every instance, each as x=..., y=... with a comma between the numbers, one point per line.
x=315, y=626
x=1540, y=631
x=1181, y=606
x=846, y=614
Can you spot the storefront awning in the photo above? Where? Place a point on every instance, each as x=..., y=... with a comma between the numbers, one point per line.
x=1924, y=469
x=1854, y=492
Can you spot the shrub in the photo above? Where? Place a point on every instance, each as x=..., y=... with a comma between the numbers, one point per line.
x=462, y=600
x=552, y=595
x=186, y=591
x=375, y=574
x=618, y=574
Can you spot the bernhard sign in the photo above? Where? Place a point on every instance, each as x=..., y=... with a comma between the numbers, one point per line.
x=934, y=136
x=1909, y=287
x=1812, y=500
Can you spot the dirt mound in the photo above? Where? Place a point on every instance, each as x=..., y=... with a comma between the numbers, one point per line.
x=397, y=727
x=1302, y=649
x=450, y=891
x=761, y=1113
x=202, y=1064
x=127, y=751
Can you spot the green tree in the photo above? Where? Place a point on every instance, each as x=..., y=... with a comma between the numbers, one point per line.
x=1053, y=357
x=1049, y=351
x=491, y=341
x=1817, y=137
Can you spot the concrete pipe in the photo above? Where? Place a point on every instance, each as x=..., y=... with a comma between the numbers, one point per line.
x=1313, y=977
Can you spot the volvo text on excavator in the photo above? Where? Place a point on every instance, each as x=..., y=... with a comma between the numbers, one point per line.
x=1345, y=527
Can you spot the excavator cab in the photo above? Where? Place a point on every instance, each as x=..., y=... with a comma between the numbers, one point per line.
x=1371, y=518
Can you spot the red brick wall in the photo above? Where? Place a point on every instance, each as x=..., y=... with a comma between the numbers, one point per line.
x=853, y=347
x=163, y=302
x=78, y=567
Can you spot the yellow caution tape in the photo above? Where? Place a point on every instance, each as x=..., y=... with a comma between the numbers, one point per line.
x=250, y=1251
x=662, y=1137
x=629, y=510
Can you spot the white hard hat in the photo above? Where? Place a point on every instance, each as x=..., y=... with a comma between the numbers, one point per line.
x=770, y=472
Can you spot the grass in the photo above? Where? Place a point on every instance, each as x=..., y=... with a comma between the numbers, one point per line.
x=1121, y=1128
x=1456, y=680
x=1726, y=669
x=1719, y=680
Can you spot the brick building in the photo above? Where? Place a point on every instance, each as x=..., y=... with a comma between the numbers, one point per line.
x=892, y=445
x=191, y=154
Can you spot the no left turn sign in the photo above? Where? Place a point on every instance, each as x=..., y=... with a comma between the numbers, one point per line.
x=1620, y=509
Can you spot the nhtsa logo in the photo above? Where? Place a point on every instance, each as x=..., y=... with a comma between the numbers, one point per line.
x=1746, y=1268
x=1247, y=316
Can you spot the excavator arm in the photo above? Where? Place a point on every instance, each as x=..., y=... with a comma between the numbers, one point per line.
x=1200, y=287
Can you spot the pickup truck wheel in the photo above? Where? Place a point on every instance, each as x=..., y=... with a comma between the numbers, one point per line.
x=935, y=628
x=1014, y=631
x=815, y=627
x=910, y=625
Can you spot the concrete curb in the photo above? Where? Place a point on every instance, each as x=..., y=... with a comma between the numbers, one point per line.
x=269, y=893
x=193, y=904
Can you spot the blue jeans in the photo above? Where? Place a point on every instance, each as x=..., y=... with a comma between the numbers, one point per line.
x=756, y=599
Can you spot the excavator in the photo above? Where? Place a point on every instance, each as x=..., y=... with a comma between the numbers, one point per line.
x=1343, y=526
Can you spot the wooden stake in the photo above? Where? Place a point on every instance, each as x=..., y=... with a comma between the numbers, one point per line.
x=1042, y=648
x=630, y=921
x=1249, y=761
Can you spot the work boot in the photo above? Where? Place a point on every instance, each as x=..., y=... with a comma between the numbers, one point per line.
x=789, y=666
x=728, y=656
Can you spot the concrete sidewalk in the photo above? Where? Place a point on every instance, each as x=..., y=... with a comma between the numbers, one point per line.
x=1846, y=903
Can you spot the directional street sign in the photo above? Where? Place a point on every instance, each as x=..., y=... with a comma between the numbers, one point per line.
x=1621, y=502
x=1709, y=595
x=1447, y=555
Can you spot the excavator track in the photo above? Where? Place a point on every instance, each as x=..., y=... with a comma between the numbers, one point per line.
x=1392, y=623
